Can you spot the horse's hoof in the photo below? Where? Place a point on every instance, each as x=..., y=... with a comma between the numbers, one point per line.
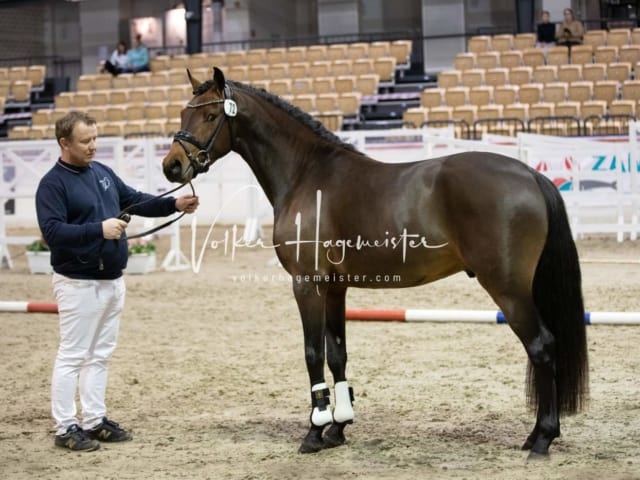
x=527, y=444
x=311, y=447
x=335, y=436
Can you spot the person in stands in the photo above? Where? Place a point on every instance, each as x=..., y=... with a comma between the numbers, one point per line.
x=118, y=61
x=546, y=31
x=138, y=57
x=570, y=31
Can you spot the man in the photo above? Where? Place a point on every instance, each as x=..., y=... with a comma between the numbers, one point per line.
x=77, y=203
x=546, y=31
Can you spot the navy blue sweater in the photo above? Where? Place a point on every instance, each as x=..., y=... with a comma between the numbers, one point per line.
x=72, y=202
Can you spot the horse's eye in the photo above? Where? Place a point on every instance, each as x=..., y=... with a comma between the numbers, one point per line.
x=211, y=117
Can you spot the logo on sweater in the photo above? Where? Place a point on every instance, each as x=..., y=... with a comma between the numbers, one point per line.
x=105, y=183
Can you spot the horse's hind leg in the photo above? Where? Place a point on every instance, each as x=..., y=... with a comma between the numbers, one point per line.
x=337, y=360
x=523, y=318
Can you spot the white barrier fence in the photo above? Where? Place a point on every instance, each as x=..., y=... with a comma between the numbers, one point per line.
x=598, y=177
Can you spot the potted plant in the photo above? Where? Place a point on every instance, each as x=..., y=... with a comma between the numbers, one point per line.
x=39, y=257
x=142, y=257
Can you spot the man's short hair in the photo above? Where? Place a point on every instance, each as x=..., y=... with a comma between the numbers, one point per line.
x=66, y=124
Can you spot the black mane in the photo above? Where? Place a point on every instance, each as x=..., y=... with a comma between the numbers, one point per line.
x=303, y=117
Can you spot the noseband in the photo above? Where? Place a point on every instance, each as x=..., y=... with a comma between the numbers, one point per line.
x=201, y=161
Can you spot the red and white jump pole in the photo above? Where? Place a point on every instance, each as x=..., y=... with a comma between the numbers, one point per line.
x=29, y=307
x=478, y=316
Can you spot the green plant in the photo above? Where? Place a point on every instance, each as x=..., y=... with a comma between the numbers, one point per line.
x=38, y=246
x=138, y=247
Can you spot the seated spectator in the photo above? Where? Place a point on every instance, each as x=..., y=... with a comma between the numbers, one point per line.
x=546, y=31
x=138, y=57
x=117, y=62
x=570, y=31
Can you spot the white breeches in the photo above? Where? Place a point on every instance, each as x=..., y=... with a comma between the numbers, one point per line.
x=89, y=313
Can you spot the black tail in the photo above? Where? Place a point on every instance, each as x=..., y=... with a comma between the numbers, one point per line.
x=557, y=294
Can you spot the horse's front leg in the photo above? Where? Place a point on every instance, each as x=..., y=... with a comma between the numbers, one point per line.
x=337, y=360
x=311, y=303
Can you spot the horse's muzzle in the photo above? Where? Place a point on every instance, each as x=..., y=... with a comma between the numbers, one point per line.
x=173, y=171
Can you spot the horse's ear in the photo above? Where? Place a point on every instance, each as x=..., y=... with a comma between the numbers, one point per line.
x=218, y=78
x=195, y=83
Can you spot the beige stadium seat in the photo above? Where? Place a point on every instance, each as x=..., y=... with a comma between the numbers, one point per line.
x=596, y=38
x=502, y=43
x=545, y=74
x=568, y=109
x=481, y=95
x=449, y=78
x=530, y=93
x=99, y=113
x=432, y=97
x=581, y=54
x=179, y=62
x=256, y=56
x=36, y=74
x=327, y=102
x=594, y=108
x=41, y=117
x=623, y=107
x=323, y=85
x=305, y=102
x=216, y=59
x=349, y=103
x=619, y=71
x=321, y=68
x=156, y=126
x=281, y=86
x=379, y=49
x=594, y=72
x=299, y=70
x=337, y=51
x=296, y=54
x=505, y=95
x=606, y=90
x=237, y=58
x=21, y=91
x=261, y=84
x=117, y=114
x=464, y=61
x=618, y=37
x=198, y=60
x=414, y=117
x=386, y=68
x=157, y=95
x=520, y=75
x=580, y=91
x=64, y=100
x=258, y=72
x=558, y=55
x=605, y=54
x=301, y=86
x=519, y=111
x=465, y=113
x=239, y=73
x=85, y=83
x=523, y=41
x=479, y=44
x=635, y=36
x=368, y=84
x=134, y=111
x=276, y=55
x=629, y=54
x=511, y=59
x=159, y=63
x=318, y=53
x=121, y=81
x=472, y=78
x=488, y=60
x=341, y=67
x=4, y=73
x=569, y=73
x=496, y=76
x=5, y=88
x=155, y=111
x=401, y=51
x=541, y=109
x=111, y=129
x=100, y=97
x=143, y=79
x=631, y=90
x=364, y=66
x=161, y=79
x=555, y=92
x=17, y=73
x=139, y=95
x=345, y=84
x=533, y=57
x=173, y=110
x=118, y=97
x=20, y=132
x=58, y=113
x=487, y=112
x=357, y=50
x=172, y=126
x=440, y=114
x=456, y=96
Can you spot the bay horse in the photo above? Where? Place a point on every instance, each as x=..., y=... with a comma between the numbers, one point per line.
x=342, y=219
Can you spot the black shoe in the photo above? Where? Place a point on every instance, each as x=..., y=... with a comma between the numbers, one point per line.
x=108, y=431
x=77, y=440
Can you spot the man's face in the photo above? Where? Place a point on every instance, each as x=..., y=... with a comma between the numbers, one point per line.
x=80, y=148
x=545, y=18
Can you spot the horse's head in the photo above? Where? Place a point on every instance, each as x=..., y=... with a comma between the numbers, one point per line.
x=205, y=133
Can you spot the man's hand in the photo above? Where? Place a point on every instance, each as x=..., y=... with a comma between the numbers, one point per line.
x=187, y=203
x=112, y=228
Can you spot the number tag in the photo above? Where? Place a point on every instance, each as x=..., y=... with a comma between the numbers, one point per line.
x=230, y=108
